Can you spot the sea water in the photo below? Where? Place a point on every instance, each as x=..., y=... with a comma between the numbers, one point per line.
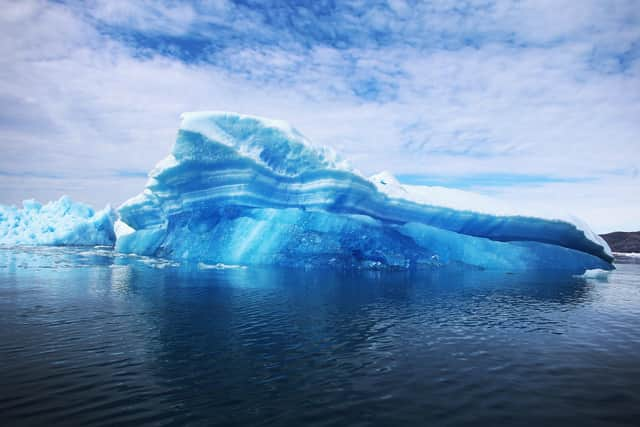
x=89, y=337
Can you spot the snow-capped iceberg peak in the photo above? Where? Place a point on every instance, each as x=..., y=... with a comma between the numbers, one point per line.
x=271, y=143
x=241, y=190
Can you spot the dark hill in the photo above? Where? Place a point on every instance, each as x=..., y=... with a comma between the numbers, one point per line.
x=621, y=241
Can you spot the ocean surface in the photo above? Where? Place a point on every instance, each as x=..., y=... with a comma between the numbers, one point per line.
x=90, y=338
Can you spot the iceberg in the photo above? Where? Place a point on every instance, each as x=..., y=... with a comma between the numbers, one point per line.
x=244, y=190
x=58, y=223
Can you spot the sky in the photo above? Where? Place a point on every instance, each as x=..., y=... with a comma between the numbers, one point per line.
x=536, y=102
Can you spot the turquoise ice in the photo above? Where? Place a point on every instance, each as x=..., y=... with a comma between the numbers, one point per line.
x=59, y=223
x=245, y=190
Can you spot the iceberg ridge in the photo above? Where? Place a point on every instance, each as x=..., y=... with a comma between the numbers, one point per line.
x=242, y=190
x=59, y=223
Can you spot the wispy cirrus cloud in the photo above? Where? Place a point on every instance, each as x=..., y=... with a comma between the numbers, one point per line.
x=447, y=90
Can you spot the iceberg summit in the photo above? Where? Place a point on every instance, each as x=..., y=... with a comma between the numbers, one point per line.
x=243, y=190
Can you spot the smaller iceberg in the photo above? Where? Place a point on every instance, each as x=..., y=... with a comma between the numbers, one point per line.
x=59, y=223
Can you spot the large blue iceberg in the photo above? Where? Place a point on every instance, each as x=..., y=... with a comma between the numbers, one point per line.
x=244, y=190
x=59, y=223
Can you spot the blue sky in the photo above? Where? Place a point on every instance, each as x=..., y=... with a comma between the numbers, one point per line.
x=536, y=102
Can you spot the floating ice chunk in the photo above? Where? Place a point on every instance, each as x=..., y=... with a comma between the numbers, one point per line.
x=219, y=266
x=596, y=273
x=626, y=254
x=61, y=223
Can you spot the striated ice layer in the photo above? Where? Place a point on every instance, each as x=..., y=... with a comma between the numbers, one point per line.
x=61, y=223
x=241, y=190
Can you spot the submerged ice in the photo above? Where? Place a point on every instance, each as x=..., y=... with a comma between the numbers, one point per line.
x=60, y=223
x=242, y=190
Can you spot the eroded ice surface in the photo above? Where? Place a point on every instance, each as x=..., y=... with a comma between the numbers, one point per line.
x=243, y=190
x=62, y=222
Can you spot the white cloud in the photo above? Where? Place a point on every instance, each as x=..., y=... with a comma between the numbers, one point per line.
x=143, y=15
x=80, y=104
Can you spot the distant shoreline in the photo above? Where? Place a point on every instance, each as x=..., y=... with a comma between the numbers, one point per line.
x=623, y=243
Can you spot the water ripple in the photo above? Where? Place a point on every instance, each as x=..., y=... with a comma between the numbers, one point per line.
x=89, y=338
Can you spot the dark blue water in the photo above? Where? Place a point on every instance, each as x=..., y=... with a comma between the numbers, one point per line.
x=87, y=338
